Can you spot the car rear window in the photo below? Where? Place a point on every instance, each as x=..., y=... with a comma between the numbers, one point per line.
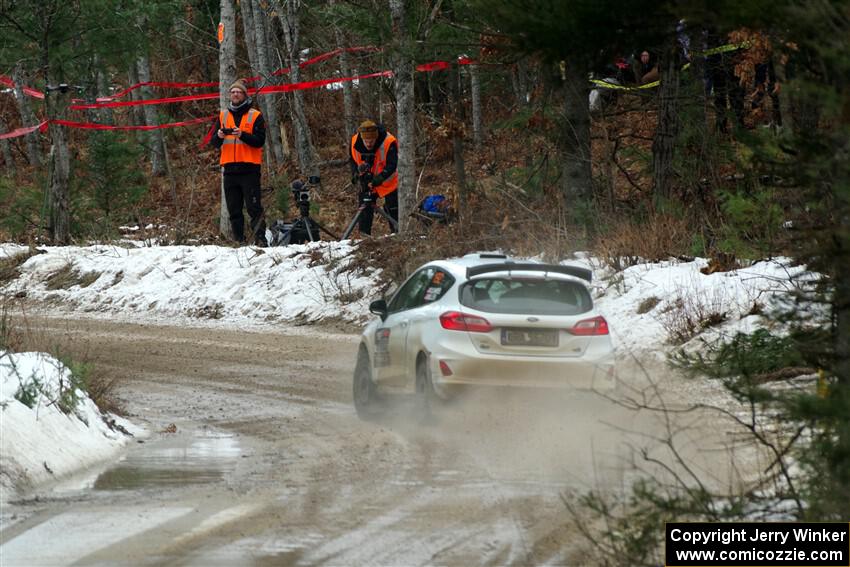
x=533, y=296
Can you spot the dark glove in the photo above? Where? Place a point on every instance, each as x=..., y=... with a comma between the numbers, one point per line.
x=355, y=179
x=377, y=180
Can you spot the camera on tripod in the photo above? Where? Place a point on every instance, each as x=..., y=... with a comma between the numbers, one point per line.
x=366, y=192
x=300, y=192
x=304, y=228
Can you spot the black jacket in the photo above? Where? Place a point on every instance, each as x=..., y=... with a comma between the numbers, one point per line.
x=257, y=139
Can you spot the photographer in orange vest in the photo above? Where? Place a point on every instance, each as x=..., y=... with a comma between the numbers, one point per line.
x=377, y=150
x=241, y=135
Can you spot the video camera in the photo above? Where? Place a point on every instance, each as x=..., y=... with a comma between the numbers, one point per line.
x=228, y=131
x=365, y=173
x=366, y=192
x=300, y=192
x=304, y=228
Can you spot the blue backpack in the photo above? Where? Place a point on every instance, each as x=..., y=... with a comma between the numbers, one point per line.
x=433, y=204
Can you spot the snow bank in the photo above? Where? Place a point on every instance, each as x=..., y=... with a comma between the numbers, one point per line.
x=41, y=442
x=298, y=282
x=301, y=283
x=644, y=303
x=309, y=282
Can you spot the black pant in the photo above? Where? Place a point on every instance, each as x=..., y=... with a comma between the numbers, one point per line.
x=244, y=188
x=390, y=207
x=726, y=86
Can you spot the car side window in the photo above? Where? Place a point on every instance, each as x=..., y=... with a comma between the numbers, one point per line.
x=438, y=285
x=411, y=292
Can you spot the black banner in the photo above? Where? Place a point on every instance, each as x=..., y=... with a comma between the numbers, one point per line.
x=757, y=544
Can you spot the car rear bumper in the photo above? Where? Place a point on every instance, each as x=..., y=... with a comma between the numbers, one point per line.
x=587, y=373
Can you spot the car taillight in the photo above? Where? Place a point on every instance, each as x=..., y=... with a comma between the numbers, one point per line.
x=457, y=321
x=444, y=368
x=588, y=327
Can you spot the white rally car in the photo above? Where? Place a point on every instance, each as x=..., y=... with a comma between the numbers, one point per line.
x=484, y=320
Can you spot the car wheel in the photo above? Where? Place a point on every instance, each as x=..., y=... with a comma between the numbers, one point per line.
x=366, y=401
x=426, y=397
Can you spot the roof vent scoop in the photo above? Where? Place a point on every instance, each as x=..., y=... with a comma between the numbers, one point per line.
x=492, y=256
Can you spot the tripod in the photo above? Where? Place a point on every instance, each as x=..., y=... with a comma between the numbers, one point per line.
x=305, y=228
x=367, y=198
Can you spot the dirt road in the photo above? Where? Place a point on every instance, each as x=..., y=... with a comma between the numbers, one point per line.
x=256, y=457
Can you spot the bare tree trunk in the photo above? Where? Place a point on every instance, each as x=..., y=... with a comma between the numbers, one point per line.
x=291, y=30
x=404, y=95
x=60, y=171
x=349, y=121
x=576, y=177
x=104, y=114
x=264, y=69
x=6, y=150
x=668, y=127
x=27, y=116
x=276, y=61
x=155, y=141
x=135, y=95
x=368, y=93
x=519, y=82
x=457, y=130
x=475, y=93
x=226, y=76
x=246, y=7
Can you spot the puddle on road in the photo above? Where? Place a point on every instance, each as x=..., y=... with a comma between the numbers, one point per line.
x=203, y=458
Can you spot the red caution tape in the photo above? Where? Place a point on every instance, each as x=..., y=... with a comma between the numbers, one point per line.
x=115, y=104
x=171, y=85
x=92, y=126
x=24, y=131
x=304, y=85
x=162, y=84
x=11, y=83
x=433, y=66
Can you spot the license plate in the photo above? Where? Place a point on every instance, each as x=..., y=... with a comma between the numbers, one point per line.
x=530, y=337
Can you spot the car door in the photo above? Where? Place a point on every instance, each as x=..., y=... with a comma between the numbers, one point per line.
x=391, y=337
x=424, y=315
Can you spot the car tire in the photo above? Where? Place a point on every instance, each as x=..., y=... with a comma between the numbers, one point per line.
x=426, y=397
x=366, y=400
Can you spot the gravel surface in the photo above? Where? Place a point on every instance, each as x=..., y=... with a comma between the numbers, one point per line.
x=256, y=457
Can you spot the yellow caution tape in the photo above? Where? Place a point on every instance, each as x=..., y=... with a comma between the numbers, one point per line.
x=823, y=385
x=713, y=51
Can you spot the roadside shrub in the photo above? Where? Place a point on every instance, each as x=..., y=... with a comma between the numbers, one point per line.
x=626, y=242
x=69, y=393
x=18, y=334
x=68, y=276
x=28, y=392
x=752, y=223
x=690, y=313
x=648, y=305
x=9, y=266
x=109, y=184
x=751, y=355
x=22, y=204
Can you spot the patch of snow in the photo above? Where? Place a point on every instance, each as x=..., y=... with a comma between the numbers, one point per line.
x=41, y=442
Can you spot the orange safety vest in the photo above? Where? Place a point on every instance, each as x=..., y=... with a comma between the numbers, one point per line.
x=378, y=164
x=232, y=148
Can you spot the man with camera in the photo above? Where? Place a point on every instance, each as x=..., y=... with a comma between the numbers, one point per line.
x=241, y=134
x=374, y=158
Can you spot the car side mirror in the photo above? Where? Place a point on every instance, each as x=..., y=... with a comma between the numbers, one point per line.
x=379, y=308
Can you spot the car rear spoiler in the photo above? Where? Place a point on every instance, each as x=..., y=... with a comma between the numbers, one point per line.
x=574, y=271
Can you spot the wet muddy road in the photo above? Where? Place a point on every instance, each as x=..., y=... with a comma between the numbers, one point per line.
x=256, y=457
